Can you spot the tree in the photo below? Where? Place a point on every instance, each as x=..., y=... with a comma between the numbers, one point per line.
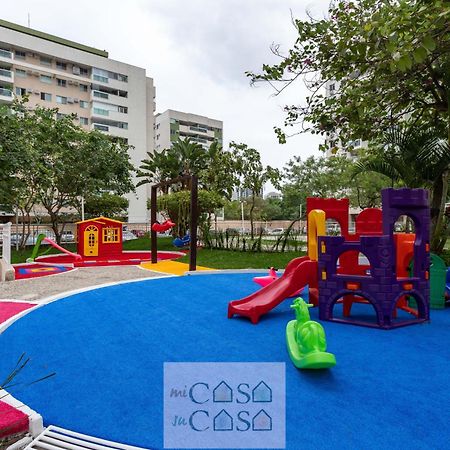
x=60, y=161
x=219, y=174
x=18, y=160
x=177, y=206
x=106, y=204
x=159, y=166
x=391, y=60
x=213, y=166
x=253, y=175
x=415, y=158
x=329, y=177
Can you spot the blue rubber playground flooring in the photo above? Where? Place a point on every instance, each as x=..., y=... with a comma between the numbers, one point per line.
x=390, y=389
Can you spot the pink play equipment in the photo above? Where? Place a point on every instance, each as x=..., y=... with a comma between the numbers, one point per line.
x=265, y=281
x=62, y=249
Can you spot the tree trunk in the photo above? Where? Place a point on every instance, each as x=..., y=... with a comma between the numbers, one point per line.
x=251, y=216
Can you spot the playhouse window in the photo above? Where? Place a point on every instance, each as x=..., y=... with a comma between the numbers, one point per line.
x=110, y=235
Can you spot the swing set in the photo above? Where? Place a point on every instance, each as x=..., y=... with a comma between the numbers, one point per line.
x=193, y=223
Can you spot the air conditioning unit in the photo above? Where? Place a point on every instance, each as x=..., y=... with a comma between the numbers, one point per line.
x=70, y=82
x=76, y=70
x=69, y=100
x=75, y=100
x=37, y=92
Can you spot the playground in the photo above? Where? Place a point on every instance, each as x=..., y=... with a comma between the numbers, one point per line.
x=379, y=384
x=399, y=389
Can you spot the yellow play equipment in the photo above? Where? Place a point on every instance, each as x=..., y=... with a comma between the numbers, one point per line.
x=316, y=228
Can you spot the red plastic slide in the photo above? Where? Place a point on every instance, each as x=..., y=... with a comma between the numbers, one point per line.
x=299, y=272
x=62, y=249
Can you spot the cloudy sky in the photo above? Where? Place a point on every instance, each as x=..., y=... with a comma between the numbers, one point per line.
x=196, y=52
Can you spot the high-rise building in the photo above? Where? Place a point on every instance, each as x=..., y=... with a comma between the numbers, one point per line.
x=171, y=125
x=107, y=95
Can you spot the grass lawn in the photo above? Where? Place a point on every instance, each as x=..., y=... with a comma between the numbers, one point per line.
x=216, y=259
x=228, y=259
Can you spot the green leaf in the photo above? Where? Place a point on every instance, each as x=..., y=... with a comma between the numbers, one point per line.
x=420, y=54
x=429, y=43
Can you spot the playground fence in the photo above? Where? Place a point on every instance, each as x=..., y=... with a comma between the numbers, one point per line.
x=5, y=239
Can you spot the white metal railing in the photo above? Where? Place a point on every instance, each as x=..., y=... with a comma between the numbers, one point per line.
x=5, y=73
x=56, y=438
x=5, y=53
x=5, y=239
x=5, y=92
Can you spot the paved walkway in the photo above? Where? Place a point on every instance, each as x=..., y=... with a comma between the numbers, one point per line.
x=35, y=289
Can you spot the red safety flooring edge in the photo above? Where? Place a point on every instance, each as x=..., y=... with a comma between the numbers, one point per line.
x=299, y=272
x=10, y=309
x=12, y=421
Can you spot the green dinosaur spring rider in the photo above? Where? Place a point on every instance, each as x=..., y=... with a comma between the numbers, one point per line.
x=306, y=341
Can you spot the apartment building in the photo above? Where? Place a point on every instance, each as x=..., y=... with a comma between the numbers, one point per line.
x=107, y=95
x=171, y=125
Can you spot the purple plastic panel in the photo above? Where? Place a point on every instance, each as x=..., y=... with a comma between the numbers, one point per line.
x=381, y=288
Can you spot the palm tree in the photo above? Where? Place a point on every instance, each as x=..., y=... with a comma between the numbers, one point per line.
x=159, y=166
x=415, y=157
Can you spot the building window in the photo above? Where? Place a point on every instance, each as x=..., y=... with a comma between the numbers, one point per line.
x=46, y=97
x=100, y=78
x=100, y=127
x=83, y=104
x=61, y=65
x=20, y=91
x=123, y=125
x=101, y=112
x=123, y=78
x=45, y=61
x=84, y=72
x=61, y=100
x=332, y=87
x=20, y=55
x=62, y=83
x=84, y=121
x=21, y=73
x=101, y=94
x=110, y=235
x=122, y=109
x=83, y=87
x=59, y=116
x=45, y=79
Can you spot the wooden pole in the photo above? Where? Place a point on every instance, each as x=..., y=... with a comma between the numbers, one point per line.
x=153, y=234
x=194, y=223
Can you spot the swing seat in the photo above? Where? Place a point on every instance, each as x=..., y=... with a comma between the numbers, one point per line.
x=182, y=242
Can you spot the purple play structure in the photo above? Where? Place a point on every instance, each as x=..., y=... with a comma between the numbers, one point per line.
x=380, y=287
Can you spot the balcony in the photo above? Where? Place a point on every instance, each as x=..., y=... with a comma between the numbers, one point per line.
x=110, y=129
x=6, y=76
x=198, y=129
x=6, y=95
x=99, y=95
x=6, y=56
x=100, y=127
